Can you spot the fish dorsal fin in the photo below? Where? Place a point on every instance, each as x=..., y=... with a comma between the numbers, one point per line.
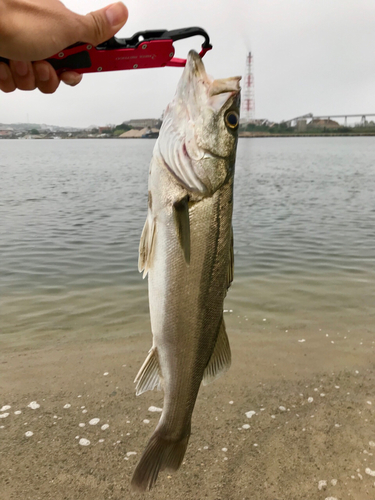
x=220, y=359
x=148, y=376
x=146, y=246
x=181, y=214
x=231, y=262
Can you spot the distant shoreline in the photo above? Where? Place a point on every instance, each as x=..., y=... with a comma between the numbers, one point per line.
x=259, y=134
x=242, y=135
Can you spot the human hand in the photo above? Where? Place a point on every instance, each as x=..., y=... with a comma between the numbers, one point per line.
x=33, y=30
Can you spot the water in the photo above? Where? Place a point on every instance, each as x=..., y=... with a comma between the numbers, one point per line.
x=72, y=211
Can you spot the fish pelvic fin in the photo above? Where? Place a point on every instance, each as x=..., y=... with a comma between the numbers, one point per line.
x=181, y=215
x=146, y=246
x=148, y=376
x=161, y=453
x=220, y=359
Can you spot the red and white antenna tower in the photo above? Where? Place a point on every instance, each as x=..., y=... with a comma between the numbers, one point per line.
x=248, y=103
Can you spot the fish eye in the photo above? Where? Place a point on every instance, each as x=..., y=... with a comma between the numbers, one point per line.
x=232, y=119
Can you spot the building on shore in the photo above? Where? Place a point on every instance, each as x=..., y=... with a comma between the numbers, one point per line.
x=144, y=133
x=301, y=125
x=259, y=122
x=6, y=132
x=322, y=123
x=144, y=123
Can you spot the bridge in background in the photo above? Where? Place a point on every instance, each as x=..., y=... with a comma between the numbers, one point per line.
x=362, y=116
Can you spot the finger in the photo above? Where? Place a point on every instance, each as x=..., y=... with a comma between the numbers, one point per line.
x=71, y=78
x=46, y=78
x=99, y=26
x=6, y=80
x=23, y=75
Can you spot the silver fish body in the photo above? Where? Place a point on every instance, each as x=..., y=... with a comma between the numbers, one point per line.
x=187, y=250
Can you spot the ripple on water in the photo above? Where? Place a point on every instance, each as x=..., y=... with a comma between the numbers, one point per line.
x=72, y=215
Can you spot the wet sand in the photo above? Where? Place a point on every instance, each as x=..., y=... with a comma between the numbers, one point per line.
x=312, y=435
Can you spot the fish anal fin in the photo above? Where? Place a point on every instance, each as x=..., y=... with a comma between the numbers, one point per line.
x=220, y=359
x=148, y=376
x=146, y=246
x=231, y=262
x=181, y=215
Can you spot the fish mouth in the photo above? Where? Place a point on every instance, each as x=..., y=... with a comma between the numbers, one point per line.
x=195, y=65
x=195, y=85
x=193, y=76
x=194, y=68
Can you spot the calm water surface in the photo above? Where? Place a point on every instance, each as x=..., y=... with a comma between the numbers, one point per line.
x=72, y=211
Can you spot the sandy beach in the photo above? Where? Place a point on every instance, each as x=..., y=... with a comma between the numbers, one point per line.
x=310, y=433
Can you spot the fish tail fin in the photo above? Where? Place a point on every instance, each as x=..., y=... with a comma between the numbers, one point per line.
x=160, y=453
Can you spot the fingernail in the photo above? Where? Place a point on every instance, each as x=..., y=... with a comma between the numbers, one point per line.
x=42, y=71
x=71, y=80
x=21, y=68
x=3, y=73
x=116, y=14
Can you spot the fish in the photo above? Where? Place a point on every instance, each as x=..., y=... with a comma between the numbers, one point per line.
x=186, y=249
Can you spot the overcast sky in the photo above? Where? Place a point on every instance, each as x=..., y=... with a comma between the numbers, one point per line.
x=309, y=56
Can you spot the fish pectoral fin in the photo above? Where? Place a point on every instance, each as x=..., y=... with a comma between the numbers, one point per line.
x=220, y=359
x=148, y=376
x=231, y=262
x=181, y=215
x=146, y=246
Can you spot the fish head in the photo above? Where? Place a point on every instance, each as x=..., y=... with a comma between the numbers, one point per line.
x=199, y=135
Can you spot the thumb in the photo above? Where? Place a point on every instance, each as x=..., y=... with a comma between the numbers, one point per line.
x=102, y=24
